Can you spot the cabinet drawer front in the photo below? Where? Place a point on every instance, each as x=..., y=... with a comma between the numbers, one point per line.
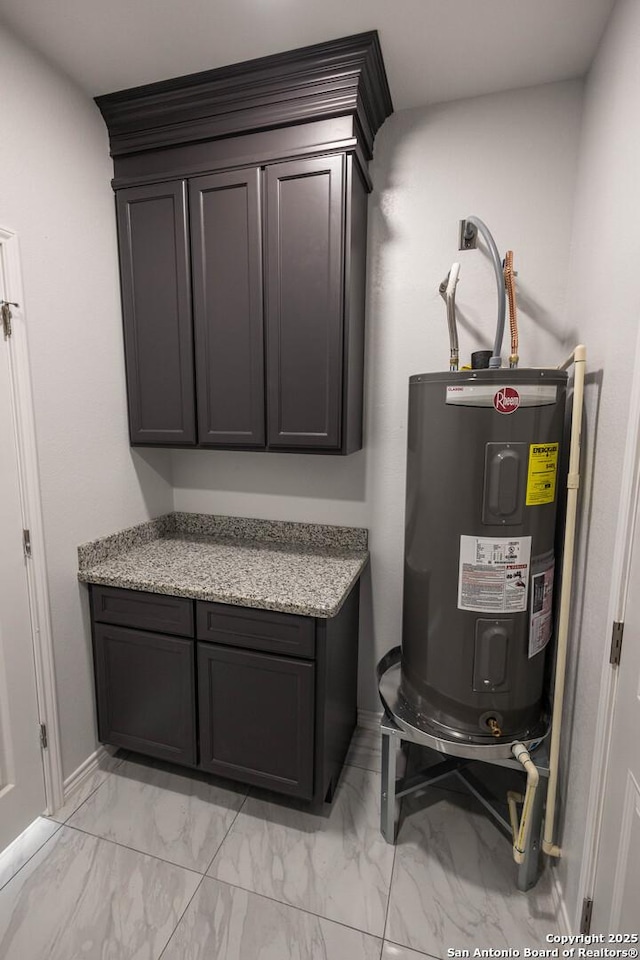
x=145, y=685
x=266, y=630
x=146, y=611
x=257, y=718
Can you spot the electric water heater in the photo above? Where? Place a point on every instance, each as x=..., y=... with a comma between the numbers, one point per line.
x=483, y=480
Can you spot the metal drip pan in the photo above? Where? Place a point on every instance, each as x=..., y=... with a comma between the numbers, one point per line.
x=421, y=731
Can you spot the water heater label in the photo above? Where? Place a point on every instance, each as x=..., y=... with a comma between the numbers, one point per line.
x=541, y=611
x=542, y=473
x=494, y=574
x=484, y=395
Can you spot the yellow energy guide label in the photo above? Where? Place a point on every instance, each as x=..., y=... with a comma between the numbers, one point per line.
x=542, y=474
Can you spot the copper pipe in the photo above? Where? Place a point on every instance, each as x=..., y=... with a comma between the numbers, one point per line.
x=510, y=285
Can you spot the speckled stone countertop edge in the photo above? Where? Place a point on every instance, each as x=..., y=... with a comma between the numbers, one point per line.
x=218, y=527
x=99, y=578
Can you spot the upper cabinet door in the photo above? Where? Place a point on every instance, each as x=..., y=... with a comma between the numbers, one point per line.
x=155, y=276
x=227, y=293
x=305, y=208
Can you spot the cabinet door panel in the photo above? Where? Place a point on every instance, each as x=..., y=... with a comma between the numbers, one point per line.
x=146, y=692
x=156, y=303
x=304, y=274
x=227, y=292
x=257, y=718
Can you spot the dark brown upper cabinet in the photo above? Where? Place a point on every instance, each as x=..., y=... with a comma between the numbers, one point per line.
x=242, y=218
x=226, y=238
x=156, y=301
x=304, y=304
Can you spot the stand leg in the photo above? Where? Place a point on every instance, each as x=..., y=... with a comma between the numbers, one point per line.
x=529, y=870
x=388, y=788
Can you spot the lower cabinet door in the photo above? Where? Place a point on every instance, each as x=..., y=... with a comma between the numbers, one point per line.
x=145, y=688
x=257, y=718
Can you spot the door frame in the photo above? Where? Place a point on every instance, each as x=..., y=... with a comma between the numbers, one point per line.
x=625, y=531
x=31, y=506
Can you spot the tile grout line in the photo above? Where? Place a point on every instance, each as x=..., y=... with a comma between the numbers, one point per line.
x=293, y=906
x=206, y=874
x=63, y=823
x=418, y=953
x=360, y=766
x=142, y=853
x=386, y=915
x=374, y=769
x=13, y=875
x=395, y=851
x=180, y=918
x=219, y=847
x=393, y=867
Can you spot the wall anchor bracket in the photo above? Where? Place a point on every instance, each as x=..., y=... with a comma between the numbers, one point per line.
x=468, y=236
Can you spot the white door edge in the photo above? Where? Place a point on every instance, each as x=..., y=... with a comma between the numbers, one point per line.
x=32, y=520
x=625, y=529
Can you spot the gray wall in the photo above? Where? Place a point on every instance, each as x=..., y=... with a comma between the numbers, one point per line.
x=604, y=305
x=55, y=193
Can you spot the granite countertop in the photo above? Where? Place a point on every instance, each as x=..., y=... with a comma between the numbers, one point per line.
x=273, y=565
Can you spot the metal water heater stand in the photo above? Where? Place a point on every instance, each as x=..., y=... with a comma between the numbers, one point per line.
x=458, y=758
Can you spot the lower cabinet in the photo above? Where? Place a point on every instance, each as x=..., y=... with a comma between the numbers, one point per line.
x=262, y=697
x=256, y=716
x=145, y=685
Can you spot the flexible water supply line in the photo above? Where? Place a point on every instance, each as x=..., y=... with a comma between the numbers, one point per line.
x=578, y=358
x=495, y=360
x=521, y=836
x=448, y=292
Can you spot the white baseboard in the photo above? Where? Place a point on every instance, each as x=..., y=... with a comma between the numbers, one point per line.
x=559, y=903
x=369, y=719
x=75, y=780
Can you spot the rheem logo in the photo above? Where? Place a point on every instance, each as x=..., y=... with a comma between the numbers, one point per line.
x=506, y=400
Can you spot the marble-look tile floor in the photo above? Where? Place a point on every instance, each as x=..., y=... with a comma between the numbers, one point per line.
x=147, y=863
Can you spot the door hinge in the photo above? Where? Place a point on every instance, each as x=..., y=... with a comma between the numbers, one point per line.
x=5, y=316
x=44, y=743
x=26, y=542
x=585, y=918
x=616, y=642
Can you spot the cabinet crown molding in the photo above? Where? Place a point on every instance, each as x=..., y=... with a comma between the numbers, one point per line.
x=344, y=77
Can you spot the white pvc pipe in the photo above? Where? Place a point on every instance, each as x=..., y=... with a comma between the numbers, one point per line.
x=578, y=358
x=513, y=799
x=521, y=840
